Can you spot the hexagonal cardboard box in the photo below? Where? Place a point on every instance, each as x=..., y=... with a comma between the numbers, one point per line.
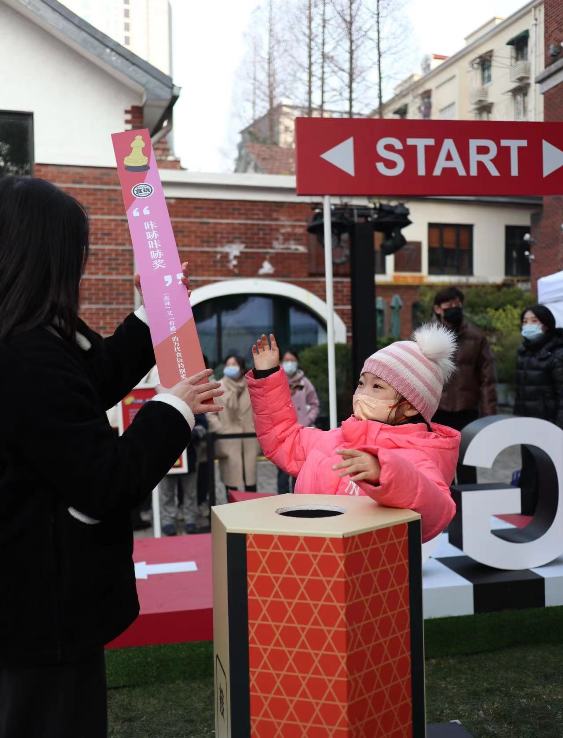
x=317, y=619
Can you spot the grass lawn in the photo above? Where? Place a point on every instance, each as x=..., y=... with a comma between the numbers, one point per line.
x=501, y=674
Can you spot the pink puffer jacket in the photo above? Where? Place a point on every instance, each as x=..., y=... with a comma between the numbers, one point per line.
x=417, y=466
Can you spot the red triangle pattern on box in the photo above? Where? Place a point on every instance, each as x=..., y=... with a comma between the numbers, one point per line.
x=329, y=635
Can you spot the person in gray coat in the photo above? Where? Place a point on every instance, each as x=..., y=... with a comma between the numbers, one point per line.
x=305, y=402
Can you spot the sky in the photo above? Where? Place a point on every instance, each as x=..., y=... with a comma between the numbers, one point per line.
x=208, y=47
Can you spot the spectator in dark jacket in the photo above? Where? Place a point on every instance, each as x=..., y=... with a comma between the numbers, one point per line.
x=539, y=367
x=471, y=391
x=539, y=385
x=67, y=482
x=178, y=492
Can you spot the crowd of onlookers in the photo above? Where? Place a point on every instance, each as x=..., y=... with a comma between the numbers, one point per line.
x=185, y=495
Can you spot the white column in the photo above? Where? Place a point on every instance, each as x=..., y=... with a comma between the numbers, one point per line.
x=330, y=311
x=156, y=513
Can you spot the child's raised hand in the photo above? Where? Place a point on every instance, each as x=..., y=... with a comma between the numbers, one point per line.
x=359, y=465
x=266, y=354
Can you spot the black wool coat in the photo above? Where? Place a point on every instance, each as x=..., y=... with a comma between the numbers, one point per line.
x=66, y=586
x=539, y=378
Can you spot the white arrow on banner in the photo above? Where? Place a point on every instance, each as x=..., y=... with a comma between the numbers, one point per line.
x=552, y=158
x=144, y=570
x=342, y=156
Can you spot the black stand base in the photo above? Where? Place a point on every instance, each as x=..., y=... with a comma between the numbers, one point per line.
x=446, y=730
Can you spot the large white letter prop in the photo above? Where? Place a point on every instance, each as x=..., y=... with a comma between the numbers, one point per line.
x=478, y=505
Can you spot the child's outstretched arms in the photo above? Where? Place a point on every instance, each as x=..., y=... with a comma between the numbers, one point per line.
x=283, y=440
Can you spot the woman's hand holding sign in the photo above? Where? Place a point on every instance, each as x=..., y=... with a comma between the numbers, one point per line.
x=185, y=280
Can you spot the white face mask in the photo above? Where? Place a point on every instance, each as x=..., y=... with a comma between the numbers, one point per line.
x=367, y=407
x=290, y=367
x=233, y=372
x=531, y=331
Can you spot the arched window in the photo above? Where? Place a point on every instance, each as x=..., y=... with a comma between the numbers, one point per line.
x=231, y=323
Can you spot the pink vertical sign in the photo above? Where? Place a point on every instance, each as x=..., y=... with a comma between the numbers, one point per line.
x=172, y=325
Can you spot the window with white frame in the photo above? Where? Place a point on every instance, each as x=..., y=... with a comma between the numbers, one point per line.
x=520, y=103
x=520, y=47
x=425, y=107
x=450, y=249
x=486, y=67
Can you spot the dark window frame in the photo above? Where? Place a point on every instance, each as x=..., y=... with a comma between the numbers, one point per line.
x=408, y=259
x=425, y=107
x=433, y=250
x=521, y=109
x=520, y=47
x=486, y=66
x=516, y=265
x=219, y=311
x=26, y=117
x=341, y=257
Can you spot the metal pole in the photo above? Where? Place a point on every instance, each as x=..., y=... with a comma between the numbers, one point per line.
x=362, y=299
x=330, y=311
x=211, y=468
x=156, y=513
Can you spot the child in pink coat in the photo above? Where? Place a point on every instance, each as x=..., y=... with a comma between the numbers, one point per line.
x=387, y=449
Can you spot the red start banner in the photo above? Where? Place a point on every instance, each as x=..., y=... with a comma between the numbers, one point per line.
x=375, y=157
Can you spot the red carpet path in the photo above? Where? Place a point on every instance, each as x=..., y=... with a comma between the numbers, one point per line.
x=177, y=606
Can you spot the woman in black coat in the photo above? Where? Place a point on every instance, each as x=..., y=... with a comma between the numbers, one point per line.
x=539, y=367
x=539, y=384
x=67, y=483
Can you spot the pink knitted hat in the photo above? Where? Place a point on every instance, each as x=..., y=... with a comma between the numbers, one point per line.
x=417, y=369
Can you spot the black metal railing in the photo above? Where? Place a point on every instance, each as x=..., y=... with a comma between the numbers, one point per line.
x=211, y=440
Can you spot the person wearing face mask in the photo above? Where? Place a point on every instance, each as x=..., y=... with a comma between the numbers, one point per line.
x=304, y=399
x=539, y=384
x=237, y=456
x=388, y=449
x=471, y=392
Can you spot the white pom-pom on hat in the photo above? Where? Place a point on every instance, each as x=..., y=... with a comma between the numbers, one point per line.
x=438, y=344
x=417, y=369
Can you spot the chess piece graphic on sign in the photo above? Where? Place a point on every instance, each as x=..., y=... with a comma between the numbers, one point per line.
x=317, y=618
x=137, y=161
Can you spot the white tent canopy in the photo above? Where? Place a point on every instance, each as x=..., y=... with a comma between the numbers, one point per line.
x=550, y=294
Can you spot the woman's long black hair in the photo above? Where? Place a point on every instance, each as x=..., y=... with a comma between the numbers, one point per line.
x=43, y=253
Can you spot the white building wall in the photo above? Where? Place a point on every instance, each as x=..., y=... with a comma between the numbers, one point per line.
x=488, y=221
x=150, y=32
x=75, y=104
x=143, y=26
x=454, y=81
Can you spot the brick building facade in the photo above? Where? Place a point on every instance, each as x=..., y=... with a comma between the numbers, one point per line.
x=548, y=227
x=222, y=239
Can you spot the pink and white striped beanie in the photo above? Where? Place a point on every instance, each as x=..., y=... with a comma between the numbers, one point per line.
x=417, y=369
